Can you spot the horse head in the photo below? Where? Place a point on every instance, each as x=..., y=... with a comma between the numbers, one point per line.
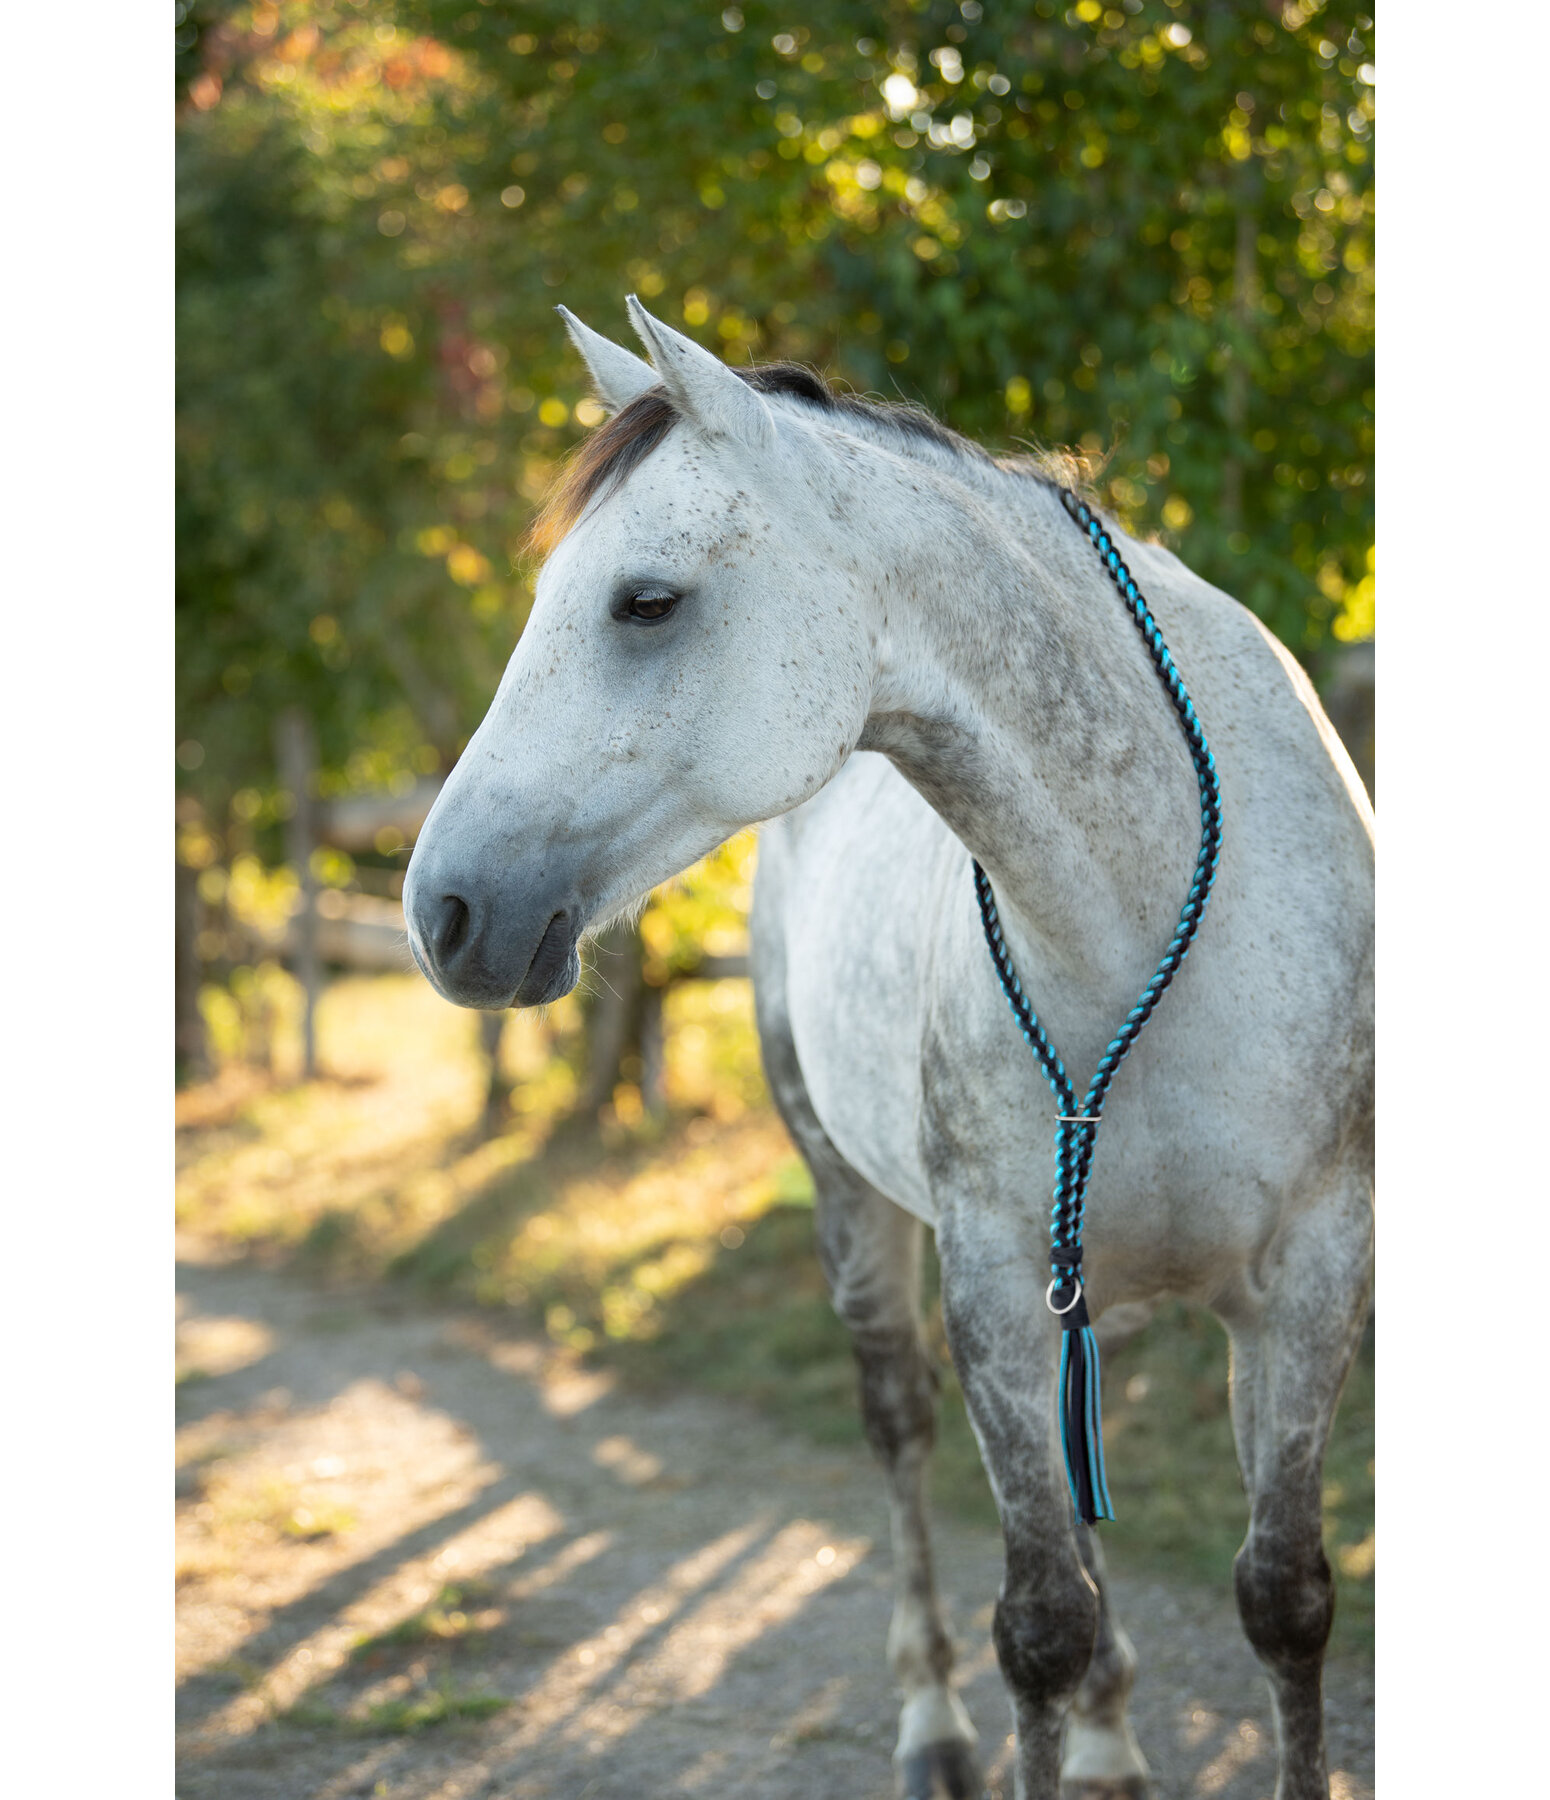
x=697, y=659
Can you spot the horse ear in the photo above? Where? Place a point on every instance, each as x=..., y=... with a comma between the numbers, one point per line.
x=619, y=375
x=702, y=387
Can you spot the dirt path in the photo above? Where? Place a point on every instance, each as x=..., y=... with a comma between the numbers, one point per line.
x=577, y=1594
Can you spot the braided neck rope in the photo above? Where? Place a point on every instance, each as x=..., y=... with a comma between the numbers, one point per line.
x=1076, y=1127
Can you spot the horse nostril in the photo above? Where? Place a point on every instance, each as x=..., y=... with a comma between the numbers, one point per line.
x=451, y=927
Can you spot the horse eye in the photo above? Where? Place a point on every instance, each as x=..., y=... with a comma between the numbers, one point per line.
x=650, y=605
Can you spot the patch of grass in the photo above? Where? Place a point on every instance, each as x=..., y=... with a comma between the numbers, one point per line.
x=421, y=1708
x=383, y=1168
x=598, y=1246
x=236, y=1673
x=314, y=1715
x=413, y=1713
x=446, y=1620
x=755, y=1322
x=236, y=1500
x=332, y=1239
x=349, y=1171
x=316, y=1519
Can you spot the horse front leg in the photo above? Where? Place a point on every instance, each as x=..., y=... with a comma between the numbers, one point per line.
x=1290, y=1355
x=870, y=1251
x=1102, y=1760
x=1006, y=1351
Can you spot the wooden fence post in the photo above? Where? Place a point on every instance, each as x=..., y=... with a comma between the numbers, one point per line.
x=296, y=754
x=190, y=1047
x=613, y=1012
x=497, y=1098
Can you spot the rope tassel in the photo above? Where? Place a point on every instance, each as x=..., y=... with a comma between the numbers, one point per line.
x=1081, y=1417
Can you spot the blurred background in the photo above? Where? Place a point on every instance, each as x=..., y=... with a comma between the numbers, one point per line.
x=1142, y=229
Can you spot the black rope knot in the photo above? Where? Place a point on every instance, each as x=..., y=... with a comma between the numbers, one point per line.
x=1075, y=1318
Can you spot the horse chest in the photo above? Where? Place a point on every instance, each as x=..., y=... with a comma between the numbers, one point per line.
x=922, y=1083
x=1178, y=1179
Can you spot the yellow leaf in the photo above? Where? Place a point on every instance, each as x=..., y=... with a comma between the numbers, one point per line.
x=467, y=567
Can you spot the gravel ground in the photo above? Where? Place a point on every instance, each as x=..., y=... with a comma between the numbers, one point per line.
x=588, y=1595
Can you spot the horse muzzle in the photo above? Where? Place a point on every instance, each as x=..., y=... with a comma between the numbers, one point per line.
x=491, y=948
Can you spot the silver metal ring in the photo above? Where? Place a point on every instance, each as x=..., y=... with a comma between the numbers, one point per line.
x=1060, y=1311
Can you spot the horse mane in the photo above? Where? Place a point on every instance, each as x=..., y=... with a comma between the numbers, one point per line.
x=619, y=446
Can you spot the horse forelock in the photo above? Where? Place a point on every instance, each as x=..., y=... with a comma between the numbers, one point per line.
x=618, y=447
x=603, y=460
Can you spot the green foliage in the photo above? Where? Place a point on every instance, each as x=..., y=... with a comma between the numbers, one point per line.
x=1145, y=228
x=1151, y=223
x=340, y=538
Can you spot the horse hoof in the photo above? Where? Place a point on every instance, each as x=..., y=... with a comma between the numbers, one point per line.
x=940, y=1771
x=1118, y=1787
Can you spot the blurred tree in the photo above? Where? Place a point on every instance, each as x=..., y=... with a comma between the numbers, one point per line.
x=1144, y=227
x=345, y=541
x=1149, y=224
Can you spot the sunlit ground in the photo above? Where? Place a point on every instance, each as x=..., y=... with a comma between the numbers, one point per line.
x=422, y=1554
x=672, y=1254
x=455, y=1527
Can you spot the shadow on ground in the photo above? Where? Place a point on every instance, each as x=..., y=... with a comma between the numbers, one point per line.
x=422, y=1555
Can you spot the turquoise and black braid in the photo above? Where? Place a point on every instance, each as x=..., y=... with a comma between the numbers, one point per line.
x=1076, y=1128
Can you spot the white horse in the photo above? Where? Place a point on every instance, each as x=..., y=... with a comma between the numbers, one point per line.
x=769, y=602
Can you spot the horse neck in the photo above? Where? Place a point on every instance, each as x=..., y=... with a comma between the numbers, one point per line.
x=1012, y=692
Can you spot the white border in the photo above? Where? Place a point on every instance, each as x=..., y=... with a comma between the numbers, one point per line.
x=1463, y=672
x=87, y=901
